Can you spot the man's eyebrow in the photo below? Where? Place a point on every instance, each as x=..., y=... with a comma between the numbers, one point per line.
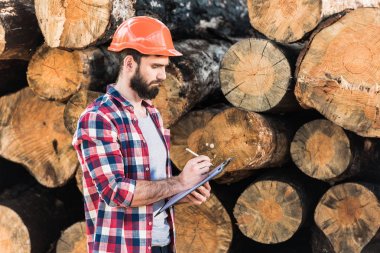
x=160, y=65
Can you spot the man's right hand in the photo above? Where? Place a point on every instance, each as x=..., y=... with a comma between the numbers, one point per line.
x=194, y=171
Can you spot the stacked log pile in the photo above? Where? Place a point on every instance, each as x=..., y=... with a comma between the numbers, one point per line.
x=290, y=89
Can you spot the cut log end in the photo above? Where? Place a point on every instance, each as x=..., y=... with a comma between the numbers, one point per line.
x=342, y=62
x=46, y=148
x=209, y=223
x=73, y=239
x=349, y=215
x=288, y=21
x=255, y=75
x=58, y=20
x=269, y=211
x=55, y=74
x=14, y=236
x=321, y=150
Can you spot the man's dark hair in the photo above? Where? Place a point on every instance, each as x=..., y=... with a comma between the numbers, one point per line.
x=136, y=55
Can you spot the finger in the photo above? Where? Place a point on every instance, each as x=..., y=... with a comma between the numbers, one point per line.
x=194, y=200
x=207, y=186
x=202, y=165
x=205, y=192
x=200, y=158
x=198, y=196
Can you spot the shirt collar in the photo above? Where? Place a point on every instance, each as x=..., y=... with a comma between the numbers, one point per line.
x=115, y=94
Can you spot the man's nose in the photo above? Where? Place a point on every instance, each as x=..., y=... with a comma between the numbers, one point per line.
x=161, y=75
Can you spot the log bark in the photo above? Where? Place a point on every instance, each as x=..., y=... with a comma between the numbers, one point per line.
x=79, y=24
x=75, y=106
x=271, y=210
x=208, y=230
x=255, y=75
x=338, y=76
x=349, y=216
x=73, y=239
x=79, y=179
x=13, y=76
x=19, y=31
x=190, y=78
x=32, y=133
x=199, y=18
x=30, y=219
x=324, y=151
x=57, y=74
x=290, y=21
x=255, y=141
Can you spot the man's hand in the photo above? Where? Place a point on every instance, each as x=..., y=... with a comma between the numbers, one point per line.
x=195, y=170
x=200, y=195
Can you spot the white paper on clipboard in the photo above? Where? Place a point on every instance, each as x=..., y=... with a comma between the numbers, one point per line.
x=174, y=199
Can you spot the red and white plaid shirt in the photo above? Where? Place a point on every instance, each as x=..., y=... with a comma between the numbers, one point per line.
x=113, y=155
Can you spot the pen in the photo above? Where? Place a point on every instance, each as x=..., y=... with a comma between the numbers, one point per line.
x=190, y=151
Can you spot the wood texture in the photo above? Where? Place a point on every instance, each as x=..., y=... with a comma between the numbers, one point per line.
x=256, y=75
x=32, y=133
x=58, y=74
x=208, y=230
x=73, y=239
x=255, y=141
x=323, y=150
x=79, y=24
x=269, y=211
x=338, y=73
x=190, y=78
x=19, y=31
x=290, y=21
x=75, y=106
x=349, y=216
x=30, y=219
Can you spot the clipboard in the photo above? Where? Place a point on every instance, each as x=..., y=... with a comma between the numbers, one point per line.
x=174, y=199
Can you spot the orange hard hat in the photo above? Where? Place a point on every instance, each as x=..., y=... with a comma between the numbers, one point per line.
x=144, y=34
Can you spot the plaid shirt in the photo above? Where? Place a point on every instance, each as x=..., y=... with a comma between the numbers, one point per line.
x=113, y=155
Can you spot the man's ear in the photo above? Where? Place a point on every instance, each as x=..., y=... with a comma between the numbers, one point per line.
x=129, y=63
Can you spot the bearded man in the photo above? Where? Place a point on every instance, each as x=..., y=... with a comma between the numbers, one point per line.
x=123, y=150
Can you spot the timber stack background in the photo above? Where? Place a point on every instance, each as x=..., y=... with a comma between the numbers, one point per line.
x=290, y=89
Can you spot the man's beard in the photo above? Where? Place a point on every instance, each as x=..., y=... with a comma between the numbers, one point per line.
x=142, y=88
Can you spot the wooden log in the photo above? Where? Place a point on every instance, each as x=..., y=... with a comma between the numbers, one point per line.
x=79, y=179
x=78, y=24
x=324, y=151
x=190, y=78
x=208, y=230
x=73, y=239
x=32, y=133
x=255, y=75
x=271, y=210
x=58, y=74
x=349, y=216
x=19, y=31
x=338, y=76
x=30, y=220
x=13, y=76
x=75, y=106
x=290, y=21
x=192, y=18
x=255, y=141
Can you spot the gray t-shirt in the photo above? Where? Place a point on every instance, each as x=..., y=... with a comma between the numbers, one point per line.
x=157, y=161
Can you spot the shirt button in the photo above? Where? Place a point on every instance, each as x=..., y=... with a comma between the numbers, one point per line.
x=146, y=168
x=150, y=223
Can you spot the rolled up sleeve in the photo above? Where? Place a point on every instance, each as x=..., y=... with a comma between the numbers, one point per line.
x=101, y=154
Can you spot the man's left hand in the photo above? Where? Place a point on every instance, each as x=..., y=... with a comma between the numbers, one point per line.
x=200, y=195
